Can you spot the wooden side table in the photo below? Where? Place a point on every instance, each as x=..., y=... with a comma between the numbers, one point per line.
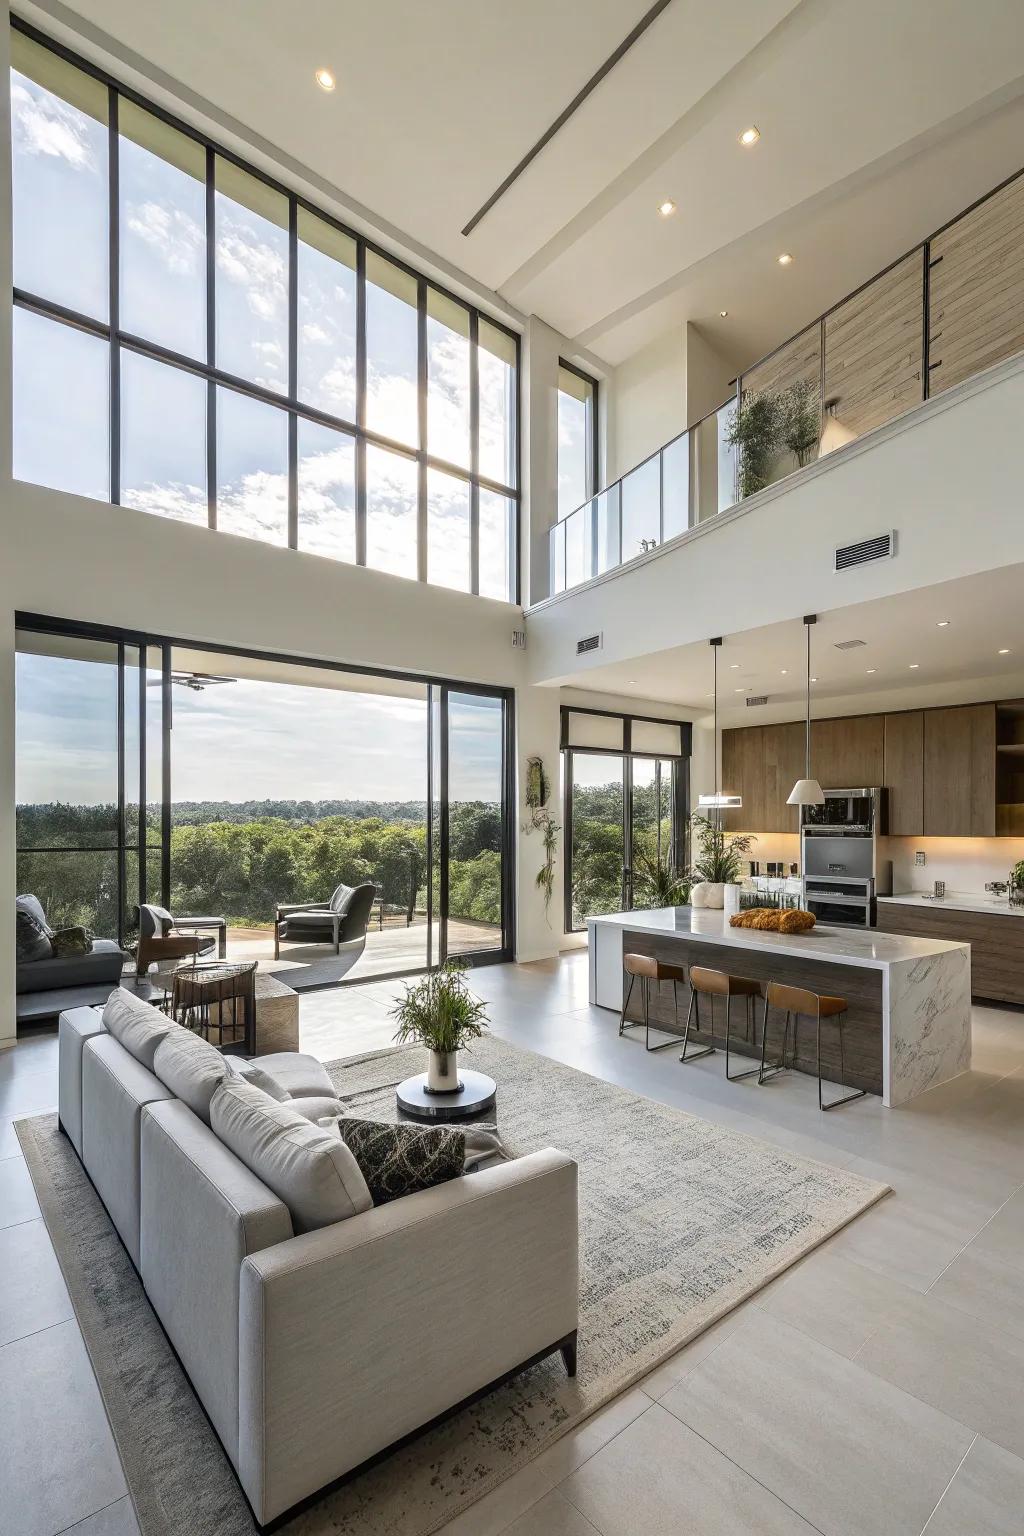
x=211, y=997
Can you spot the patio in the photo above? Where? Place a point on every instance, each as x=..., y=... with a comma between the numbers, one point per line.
x=395, y=947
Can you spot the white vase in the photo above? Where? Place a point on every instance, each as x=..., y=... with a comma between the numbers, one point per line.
x=707, y=893
x=443, y=1071
x=732, y=900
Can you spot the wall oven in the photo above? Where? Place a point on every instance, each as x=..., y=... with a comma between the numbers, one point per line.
x=839, y=857
x=856, y=810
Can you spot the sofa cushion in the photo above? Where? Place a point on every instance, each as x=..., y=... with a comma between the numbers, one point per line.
x=32, y=942
x=102, y=966
x=253, y=1073
x=191, y=1068
x=317, y=1107
x=300, y=1075
x=341, y=898
x=397, y=1160
x=310, y=1170
x=34, y=907
x=139, y=1026
x=71, y=942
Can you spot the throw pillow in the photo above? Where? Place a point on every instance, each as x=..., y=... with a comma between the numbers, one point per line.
x=71, y=941
x=191, y=1068
x=254, y=1074
x=34, y=907
x=138, y=1026
x=31, y=940
x=398, y=1160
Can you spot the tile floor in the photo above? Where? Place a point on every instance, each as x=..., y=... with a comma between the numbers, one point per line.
x=876, y=1389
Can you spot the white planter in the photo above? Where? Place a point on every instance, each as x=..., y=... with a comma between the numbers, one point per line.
x=443, y=1071
x=732, y=900
x=708, y=893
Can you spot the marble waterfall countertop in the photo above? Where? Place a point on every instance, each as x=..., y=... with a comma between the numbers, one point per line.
x=957, y=901
x=925, y=983
x=842, y=946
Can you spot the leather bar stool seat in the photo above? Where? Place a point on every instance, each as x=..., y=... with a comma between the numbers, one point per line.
x=709, y=983
x=649, y=969
x=798, y=1003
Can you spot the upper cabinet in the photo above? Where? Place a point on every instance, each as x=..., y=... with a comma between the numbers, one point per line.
x=960, y=771
x=903, y=772
x=848, y=754
x=743, y=774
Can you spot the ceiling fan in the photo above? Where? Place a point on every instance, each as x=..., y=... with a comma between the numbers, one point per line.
x=195, y=681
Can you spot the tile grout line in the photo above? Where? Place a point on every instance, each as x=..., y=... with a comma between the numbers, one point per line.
x=960, y=1251
x=94, y=1512
x=949, y=1485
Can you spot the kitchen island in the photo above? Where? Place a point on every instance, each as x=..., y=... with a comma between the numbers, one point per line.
x=908, y=1025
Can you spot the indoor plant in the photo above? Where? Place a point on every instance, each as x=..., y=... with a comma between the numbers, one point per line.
x=541, y=820
x=801, y=420
x=754, y=430
x=659, y=883
x=441, y=1013
x=1016, y=885
x=718, y=860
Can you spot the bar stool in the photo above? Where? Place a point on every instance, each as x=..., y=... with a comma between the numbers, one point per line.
x=798, y=1003
x=705, y=982
x=649, y=969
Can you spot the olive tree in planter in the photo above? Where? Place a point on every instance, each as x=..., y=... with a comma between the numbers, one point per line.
x=800, y=413
x=753, y=430
x=441, y=1013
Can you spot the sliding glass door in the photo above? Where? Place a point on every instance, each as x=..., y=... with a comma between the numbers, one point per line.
x=474, y=868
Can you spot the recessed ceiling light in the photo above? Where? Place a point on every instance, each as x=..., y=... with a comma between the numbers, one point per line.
x=750, y=136
x=733, y=666
x=1004, y=652
x=914, y=666
x=785, y=259
x=942, y=624
x=739, y=690
x=325, y=79
x=667, y=208
x=722, y=313
x=872, y=669
x=814, y=679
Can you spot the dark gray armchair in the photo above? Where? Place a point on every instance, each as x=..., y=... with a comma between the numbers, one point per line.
x=342, y=920
x=163, y=938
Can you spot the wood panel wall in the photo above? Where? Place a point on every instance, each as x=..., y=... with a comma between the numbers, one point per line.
x=873, y=348
x=977, y=289
x=797, y=359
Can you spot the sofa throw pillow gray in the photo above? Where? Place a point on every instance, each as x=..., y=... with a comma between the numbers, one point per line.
x=32, y=942
x=398, y=1160
x=255, y=1074
x=72, y=941
x=34, y=907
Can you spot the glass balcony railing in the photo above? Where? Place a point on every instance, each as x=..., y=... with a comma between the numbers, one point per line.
x=692, y=478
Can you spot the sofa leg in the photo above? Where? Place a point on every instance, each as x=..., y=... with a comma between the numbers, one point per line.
x=568, y=1349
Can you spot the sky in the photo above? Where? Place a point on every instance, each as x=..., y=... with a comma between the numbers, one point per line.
x=61, y=437
x=245, y=740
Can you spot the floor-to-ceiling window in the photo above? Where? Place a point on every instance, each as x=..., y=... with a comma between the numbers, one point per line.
x=228, y=783
x=196, y=342
x=626, y=789
x=577, y=438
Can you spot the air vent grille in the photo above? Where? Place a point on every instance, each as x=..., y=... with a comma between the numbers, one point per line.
x=589, y=643
x=757, y=698
x=881, y=547
x=849, y=645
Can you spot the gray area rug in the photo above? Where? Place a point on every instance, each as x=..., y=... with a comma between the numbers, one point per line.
x=680, y=1220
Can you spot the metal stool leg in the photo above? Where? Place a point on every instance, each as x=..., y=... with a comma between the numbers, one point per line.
x=772, y=1068
x=665, y=1043
x=625, y=1004
x=736, y=1077
x=707, y=1050
x=847, y=1098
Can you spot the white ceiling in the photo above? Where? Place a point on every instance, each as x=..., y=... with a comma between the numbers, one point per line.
x=955, y=664
x=878, y=122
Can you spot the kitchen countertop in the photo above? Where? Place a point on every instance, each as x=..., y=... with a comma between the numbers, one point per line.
x=958, y=901
x=840, y=946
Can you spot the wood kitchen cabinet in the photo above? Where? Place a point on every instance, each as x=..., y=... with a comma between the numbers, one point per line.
x=848, y=753
x=996, y=940
x=903, y=772
x=743, y=774
x=784, y=753
x=960, y=771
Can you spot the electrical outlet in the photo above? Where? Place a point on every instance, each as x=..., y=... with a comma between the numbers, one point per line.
x=919, y=857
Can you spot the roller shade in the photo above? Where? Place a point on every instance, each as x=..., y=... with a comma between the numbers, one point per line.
x=603, y=731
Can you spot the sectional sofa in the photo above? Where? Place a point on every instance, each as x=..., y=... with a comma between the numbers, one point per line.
x=317, y=1330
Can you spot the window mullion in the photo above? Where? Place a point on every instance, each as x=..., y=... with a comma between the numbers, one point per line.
x=114, y=302
x=421, y=401
x=211, y=339
x=293, y=373
x=474, y=451
x=361, y=403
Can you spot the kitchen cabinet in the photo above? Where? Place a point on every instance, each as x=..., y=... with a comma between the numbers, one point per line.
x=960, y=771
x=848, y=753
x=743, y=774
x=996, y=940
x=784, y=753
x=903, y=772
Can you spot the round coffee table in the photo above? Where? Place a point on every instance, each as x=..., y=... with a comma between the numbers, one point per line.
x=476, y=1093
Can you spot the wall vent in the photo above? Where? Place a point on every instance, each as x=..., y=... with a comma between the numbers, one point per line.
x=757, y=698
x=881, y=547
x=848, y=645
x=590, y=643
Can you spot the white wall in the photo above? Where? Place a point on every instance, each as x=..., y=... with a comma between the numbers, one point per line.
x=946, y=477
x=660, y=391
x=709, y=375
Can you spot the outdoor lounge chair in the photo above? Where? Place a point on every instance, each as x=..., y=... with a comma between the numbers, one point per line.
x=342, y=920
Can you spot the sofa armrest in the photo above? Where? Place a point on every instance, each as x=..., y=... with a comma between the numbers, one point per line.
x=282, y=910
x=358, y=1334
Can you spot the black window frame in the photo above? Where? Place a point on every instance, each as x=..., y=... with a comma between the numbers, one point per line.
x=593, y=443
x=117, y=340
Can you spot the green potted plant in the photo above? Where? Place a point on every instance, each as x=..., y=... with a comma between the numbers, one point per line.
x=1016, y=885
x=801, y=420
x=441, y=1013
x=754, y=430
x=659, y=883
x=718, y=860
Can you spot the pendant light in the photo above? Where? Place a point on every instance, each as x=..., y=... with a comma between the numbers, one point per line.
x=719, y=801
x=834, y=434
x=807, y=791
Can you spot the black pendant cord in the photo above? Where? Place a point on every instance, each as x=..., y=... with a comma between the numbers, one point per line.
x=714, y=651
x=807, y=734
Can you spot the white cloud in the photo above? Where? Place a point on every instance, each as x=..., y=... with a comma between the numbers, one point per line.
x=45, y=125
x=172, y=233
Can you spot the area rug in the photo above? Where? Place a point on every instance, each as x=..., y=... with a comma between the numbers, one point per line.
x=680, y=1221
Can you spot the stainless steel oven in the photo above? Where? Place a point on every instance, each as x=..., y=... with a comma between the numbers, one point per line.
x=839, y=857
x=854, y=810
x=846, y=903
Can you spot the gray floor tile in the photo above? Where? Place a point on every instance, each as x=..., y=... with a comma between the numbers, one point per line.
x=986, y=1498
x=17, y=1197
x=10, y=1146
x=660, y=1478
x=33, y=1294
x=855, y=1456
x=958, y=1365
x=837, y=1302
x=60, y=1462
x=903, y=1240
x=551, y=1516
x=116, y=1520
x=496, y=1511
x=1004, y=1234
x=685, y=1360
x=573, y=1449
x=986, y=1286
x=29, y=1092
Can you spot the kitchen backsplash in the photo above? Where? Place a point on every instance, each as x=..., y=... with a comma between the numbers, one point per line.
x=965, y=863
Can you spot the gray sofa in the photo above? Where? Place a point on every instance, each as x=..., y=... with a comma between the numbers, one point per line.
x=45, y=987
x=314, y=1341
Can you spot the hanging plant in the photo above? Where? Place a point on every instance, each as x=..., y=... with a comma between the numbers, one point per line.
x=754, y=429
x=801, y=420
x=538, y=791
